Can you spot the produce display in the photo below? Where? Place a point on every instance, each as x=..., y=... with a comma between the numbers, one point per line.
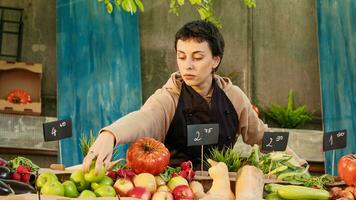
x=16, y=176
x=146, y=175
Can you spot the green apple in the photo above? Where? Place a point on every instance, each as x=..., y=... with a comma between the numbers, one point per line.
x=91, y=177
x=70, y=190
x=53, y=188
x=78, y=178
x=176, y=181
x=87, y=194
x=105, y=191
x=45, y=177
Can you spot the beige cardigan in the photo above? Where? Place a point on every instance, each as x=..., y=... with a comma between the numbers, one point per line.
x=155, y=116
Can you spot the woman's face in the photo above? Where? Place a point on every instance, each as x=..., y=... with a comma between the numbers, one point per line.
x=196, y=63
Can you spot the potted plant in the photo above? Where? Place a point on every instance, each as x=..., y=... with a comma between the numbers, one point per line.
x=291, y=118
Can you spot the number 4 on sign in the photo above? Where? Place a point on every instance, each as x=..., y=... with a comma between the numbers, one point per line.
x=54, y=132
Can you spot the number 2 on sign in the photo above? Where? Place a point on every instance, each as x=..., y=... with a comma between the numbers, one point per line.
x=198, y=138
x=270, y=143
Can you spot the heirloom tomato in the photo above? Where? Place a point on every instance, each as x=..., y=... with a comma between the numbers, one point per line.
x=347, y=169
x=147, y=155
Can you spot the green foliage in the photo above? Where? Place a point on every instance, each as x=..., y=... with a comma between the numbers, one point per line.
x=86, y=142
x=289, y=116
x=203, y=7
x=230, y=157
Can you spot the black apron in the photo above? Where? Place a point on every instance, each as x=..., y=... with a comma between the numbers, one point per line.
x=192, y=108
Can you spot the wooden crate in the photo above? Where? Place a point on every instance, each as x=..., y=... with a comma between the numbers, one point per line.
x=24, y=76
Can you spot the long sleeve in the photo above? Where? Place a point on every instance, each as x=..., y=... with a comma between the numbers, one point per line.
x=153, y=119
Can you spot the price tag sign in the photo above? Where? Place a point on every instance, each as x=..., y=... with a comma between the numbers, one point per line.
x=275, y=141
x=202, y=134
x=57, y=130
x=334, y=140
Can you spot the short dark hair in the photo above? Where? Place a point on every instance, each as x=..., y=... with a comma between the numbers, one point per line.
x=201, y=31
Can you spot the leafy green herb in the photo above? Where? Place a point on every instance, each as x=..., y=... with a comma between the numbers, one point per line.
x=283, y=166
x=168, y=173
x=14, y=163
x=230, y=157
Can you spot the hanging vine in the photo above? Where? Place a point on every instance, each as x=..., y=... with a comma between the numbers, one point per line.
x=203, y=7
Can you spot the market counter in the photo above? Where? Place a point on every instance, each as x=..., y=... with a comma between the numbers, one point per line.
x=44, y=197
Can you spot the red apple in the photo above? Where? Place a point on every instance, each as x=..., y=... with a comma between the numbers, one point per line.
x=140, y=192
x=162, y=195
x=183, y=192
x=145, y=180
x=122, y=186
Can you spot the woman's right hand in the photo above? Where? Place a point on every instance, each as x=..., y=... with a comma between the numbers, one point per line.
x=102, y=150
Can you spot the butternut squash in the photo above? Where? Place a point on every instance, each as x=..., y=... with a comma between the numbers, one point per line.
x=221, y=181
x=249, y=183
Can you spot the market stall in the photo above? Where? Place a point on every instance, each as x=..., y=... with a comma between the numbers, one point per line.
x=146, y=174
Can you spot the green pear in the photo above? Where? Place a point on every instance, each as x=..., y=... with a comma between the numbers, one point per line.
x=78, y=178
x=70, y=190
x=91, y=177
x=53, y=188
x=106, y=181
x=105, y=191
x=87, y=194
x=94, y=185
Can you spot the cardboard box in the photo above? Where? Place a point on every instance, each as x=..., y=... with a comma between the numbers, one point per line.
x=24, y=76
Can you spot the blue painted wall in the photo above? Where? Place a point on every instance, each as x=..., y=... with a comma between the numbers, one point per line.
x=98, y=69
x=337, y=45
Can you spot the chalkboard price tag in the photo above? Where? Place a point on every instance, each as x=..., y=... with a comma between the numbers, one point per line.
x=202, y=134
x=334, y=140
x=275, y=141
x=57, y=130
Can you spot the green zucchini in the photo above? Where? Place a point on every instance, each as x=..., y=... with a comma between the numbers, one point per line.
x=273, y=196
x=294, y=192
x=272, y=187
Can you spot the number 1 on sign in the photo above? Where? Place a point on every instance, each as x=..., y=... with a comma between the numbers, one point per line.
x=331, y=140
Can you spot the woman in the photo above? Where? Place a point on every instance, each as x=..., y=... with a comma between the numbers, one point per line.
x=193, y=95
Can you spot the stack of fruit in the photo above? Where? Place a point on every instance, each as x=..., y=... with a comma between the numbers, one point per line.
x=82, y=185
x=148, y=175
x=147, y=186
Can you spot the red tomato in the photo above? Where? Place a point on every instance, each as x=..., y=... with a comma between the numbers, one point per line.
x=147, y=155
x=347, y=169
